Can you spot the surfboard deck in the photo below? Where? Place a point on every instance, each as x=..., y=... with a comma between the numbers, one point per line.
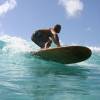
x=64, y=55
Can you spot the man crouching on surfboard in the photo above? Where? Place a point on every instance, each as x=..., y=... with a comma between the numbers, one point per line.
x=44, y=37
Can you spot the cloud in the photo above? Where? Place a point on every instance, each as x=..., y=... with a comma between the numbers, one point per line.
x=72, y=7
x=7, y=6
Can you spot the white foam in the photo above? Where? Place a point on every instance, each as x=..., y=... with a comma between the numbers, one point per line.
x=16, y=44
x=96, y=49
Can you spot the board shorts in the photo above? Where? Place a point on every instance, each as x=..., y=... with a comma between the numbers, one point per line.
x=38, y=39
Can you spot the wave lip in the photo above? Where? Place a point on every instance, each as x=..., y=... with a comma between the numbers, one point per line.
x=14, y=44
x=95, y=49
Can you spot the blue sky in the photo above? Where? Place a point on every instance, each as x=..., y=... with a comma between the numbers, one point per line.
x=80, y=19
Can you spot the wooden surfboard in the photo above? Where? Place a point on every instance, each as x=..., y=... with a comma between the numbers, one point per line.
x=64, y=55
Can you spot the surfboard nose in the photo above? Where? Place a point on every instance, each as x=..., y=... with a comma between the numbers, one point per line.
x=82, y=53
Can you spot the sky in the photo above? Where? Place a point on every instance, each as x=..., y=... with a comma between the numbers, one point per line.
x=80, y=19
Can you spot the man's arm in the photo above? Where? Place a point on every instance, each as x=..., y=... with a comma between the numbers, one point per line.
x=56, y=40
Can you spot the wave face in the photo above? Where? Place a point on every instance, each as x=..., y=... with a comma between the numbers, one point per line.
x=24, y=77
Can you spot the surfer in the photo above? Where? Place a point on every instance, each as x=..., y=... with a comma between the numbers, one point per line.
x=44, y=37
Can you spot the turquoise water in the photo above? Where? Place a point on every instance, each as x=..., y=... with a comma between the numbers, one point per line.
x=23, y=77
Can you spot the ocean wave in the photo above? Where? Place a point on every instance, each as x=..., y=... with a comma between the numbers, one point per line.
x=87, y=64
x=2, y=44
x=14, y=44
x=95, y=49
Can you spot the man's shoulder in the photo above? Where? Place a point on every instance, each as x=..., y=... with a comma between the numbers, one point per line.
x=43, y=30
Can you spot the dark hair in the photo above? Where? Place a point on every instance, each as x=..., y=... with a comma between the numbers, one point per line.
x=57, y=28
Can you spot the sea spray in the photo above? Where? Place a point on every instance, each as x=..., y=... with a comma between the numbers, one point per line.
x=16, y=44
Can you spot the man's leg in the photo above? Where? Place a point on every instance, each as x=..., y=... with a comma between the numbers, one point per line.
x=48, y=44
x=37, y=40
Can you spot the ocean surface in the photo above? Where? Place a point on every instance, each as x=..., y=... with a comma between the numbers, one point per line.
x=24, y=77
